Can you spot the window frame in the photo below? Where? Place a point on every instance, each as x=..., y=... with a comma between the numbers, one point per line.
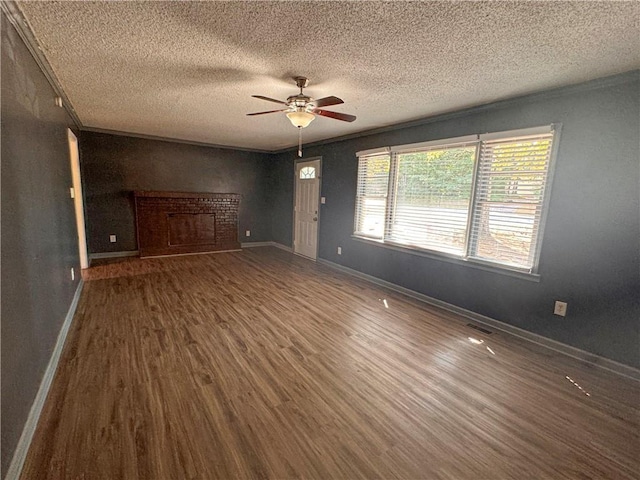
x=466, y=258
x=457, y=142
x=365, y=155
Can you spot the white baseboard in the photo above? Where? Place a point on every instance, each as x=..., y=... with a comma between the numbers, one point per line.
x=135, y=253
x=596, y=360
x=282, y=247
x=190, y=254
x=256, y=244
x=126, y=253
x=19, y=456
x=267, y=244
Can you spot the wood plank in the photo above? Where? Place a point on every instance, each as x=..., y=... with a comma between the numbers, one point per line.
x=260, y=364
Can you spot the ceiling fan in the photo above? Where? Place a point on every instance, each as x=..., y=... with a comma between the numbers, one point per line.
x=302, y=109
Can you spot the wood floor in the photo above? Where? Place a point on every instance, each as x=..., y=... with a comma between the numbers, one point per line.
x=259, y=364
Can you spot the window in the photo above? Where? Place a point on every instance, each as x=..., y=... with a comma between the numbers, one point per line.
x=433, y=189
x=371, y=195
x=307, y=173
x=478, y=198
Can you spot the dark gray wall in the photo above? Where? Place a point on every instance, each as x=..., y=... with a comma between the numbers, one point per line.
x=591, y=247
x=113, y=166
x=39, y=238
x=281, y=185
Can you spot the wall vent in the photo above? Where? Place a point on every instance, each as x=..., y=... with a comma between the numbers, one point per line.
x=480, y=329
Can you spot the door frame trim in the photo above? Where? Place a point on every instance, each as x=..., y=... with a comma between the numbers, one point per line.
x=78, y=198
x=295, y=193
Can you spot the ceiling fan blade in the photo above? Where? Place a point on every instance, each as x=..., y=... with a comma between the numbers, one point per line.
x=338, y=116
x=327, y=101
x=269, y=99
x=269, y=111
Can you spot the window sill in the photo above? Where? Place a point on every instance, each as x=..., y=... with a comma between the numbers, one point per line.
x=443, y=257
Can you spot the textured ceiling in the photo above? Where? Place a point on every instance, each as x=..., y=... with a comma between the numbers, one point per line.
x=187, y=70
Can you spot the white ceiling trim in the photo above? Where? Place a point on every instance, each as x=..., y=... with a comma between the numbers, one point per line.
x=16, y=19
x=187, y=70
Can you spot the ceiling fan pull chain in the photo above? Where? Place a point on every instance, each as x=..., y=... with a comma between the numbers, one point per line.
x=300, y=142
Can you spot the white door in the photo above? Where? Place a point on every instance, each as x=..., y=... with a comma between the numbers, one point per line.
x=77, y=198
x=305, y=237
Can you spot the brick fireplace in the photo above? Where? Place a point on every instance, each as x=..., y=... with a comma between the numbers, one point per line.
x=169, y=223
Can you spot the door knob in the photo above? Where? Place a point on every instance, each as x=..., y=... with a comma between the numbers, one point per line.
x=315, y=219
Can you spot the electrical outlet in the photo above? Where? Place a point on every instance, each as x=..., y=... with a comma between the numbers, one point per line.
x=73, y=274
x=323, y=200
x=112, y=238
x=339, y=250
x=560, y=308
x=247, y=233
x=72, y=192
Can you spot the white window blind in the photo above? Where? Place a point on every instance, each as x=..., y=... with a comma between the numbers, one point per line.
x=371, y=196
x=510, y=187
x=431, y=198
x=479, y=197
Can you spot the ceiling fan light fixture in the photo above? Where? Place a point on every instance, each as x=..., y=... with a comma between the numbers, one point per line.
x=300, y=118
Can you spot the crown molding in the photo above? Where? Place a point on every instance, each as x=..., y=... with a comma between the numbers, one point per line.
x=598, y=83
x=602, y=82
x=156, y=138
x=16, y=18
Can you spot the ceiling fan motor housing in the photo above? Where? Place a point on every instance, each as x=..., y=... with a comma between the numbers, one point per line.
x=300, y=102
x=302, y=106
